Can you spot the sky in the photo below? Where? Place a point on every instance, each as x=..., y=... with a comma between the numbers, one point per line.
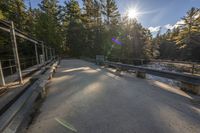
x=153, y=14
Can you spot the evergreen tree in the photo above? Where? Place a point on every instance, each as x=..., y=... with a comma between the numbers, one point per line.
x=91, y=30
x=47, y=27
x=14, y=10
x=111, y=26
x=75, y=30
x=92, y=20
x=188, y=37
x=110, y=12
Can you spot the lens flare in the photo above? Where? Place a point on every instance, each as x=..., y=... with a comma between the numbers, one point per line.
x=133, y=13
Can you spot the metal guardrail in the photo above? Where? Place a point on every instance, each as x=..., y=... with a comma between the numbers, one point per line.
x=12, y=119
x=197, y=62
x=171, y=61
x=194, y=80
x=184, y=66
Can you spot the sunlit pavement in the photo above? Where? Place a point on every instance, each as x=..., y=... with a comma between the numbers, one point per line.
x=88, y=99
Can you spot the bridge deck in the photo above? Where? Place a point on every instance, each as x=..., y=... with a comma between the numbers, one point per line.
x=96, y=101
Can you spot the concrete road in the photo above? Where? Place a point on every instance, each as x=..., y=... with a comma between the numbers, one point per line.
x=94, y=100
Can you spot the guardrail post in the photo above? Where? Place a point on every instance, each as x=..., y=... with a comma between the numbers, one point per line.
x=36, y=54
x=15, y=51
x=190, y=87
x=2, y=81
x=140, y=74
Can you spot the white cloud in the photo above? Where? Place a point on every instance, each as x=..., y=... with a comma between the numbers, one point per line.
x=197, y=15
x=154, y=29
x=168, y=26
x=178, y=23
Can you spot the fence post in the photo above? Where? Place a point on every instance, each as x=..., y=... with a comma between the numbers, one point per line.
x=2, y=81
x=46, y=53
x=36, y=54
x=54, y=54
x=15, y=51
x=11, y=70
x=43, y=52
x=51, y=53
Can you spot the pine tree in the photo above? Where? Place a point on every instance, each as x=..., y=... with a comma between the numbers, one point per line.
x=188, y=39
x=111, y=17
x=148, y=45
x=74, y=29
x=92, y=19
x=47, y=27
x=110, y=11
x=185, y=36
x=14, y=10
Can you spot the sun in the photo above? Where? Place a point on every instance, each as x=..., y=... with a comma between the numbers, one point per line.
x=132, y=13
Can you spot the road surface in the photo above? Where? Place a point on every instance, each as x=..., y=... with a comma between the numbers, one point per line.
x=93, y=100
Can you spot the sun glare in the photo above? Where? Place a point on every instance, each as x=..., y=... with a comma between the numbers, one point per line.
x=132, y=13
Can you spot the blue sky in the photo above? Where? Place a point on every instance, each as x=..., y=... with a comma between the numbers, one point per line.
x=155, y=13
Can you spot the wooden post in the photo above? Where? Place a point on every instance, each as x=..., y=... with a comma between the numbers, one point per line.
x=2, y=81
x=15, y=52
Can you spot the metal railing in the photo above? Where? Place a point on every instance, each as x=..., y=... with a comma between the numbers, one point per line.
x=181, y=66
x=187, y=78
x=140, y=60
x=18, y=64
x=8, y=66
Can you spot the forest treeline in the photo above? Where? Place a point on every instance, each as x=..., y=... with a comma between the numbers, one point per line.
x=97, y=28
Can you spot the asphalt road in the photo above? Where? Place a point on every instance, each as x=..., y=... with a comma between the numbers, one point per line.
x=93, y=100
